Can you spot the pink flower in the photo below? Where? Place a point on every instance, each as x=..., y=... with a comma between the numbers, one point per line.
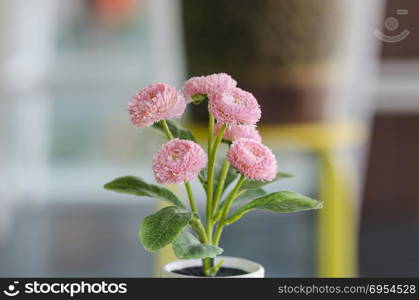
x=156, y=102
x=252, y=159
x=235, y=132
x=235, y=107
x=210, y=84
x=177, y=161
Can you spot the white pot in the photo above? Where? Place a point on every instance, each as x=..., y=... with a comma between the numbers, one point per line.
x=254, y=270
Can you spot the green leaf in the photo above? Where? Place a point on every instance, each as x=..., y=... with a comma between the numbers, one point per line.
x=177, y=130
x=136, y=186
x=162, y=228
x=253, y=184
x=282, y=202
x=187, y=246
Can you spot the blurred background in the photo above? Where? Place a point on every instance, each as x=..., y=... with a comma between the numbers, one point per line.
x=338, y=82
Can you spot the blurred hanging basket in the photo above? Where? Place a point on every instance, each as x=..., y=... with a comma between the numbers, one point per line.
x=286, y=52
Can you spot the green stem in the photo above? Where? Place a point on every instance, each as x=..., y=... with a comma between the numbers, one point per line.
x=210, y=131
x=210, y=183
x=216, y=268
x=226, y=209
x=208, y=222
x=166, y=129
x=199, y=229
x=208, y=263
x=220, y=186
x=219, y=211
x=190, y=196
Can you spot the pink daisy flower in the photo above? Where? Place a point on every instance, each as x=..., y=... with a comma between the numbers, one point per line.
x=235, y=132
x=156, y=102
x=210, y=84
x=252, y=159
x=235, y=107
x=177, y=161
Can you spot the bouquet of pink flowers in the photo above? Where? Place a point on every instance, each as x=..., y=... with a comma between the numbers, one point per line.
x=249, y=165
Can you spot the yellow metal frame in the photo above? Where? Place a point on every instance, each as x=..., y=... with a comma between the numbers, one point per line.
x=337, y=224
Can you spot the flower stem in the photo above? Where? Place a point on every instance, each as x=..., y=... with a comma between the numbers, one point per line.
x=210, y=183
x=190, y=196
x=199, y=229
x=209, y=171
x=220, y=187
x=226, y=209
x=209, y=177
x=208, y=263
x=210, y=130
x=166, y=130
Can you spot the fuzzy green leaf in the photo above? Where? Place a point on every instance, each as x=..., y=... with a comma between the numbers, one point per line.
x=253, y=184
x=176, y=130
x=187, y=246
x=162, y=228
x=136, y=186
x=282, y=202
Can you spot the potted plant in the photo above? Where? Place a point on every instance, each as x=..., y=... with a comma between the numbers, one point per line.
x=235, y=181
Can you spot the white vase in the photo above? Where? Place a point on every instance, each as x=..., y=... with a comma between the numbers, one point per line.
x=253, y=269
